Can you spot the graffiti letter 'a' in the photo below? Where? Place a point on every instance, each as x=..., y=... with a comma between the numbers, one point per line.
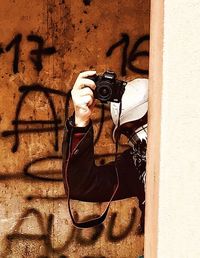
x=54, y=122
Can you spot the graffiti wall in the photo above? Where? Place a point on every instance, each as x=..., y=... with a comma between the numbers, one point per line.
x=43, y=47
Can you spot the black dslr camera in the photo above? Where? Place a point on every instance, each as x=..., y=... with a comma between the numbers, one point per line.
x=108, y=88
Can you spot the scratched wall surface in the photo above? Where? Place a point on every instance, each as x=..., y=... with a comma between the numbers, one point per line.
x=43, y=46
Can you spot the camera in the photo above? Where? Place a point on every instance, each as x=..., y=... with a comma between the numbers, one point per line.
x=108, y=88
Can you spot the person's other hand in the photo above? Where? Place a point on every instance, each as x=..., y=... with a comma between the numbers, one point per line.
x=83, y=98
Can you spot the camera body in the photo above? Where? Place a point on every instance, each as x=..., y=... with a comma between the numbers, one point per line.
x=108, y=88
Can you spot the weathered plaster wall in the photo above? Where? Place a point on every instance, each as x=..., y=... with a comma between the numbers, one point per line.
x=43, y=47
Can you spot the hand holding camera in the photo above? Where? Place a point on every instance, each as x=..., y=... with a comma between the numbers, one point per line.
x=83, y=98
x=90, y=86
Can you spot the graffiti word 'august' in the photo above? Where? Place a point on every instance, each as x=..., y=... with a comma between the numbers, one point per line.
x=82, y=237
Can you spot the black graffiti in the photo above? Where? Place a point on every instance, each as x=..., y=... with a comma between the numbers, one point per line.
x=64, y=256
x=35, y=54
x=115, y=238
x=87, y=2
x=134, y=54
x=49, y=198
x=15, y=235
x=60, y=256
x=128, y=60
x=93, y=256
x=45, y=175
x=36, y=57
x=44, y=236
x=52, y=175
x=1, y=50
x=16, y=44
x=95, y=235
x=26, y=90
x=55, y=124
x=48, y=241
x=125, y=41
x=76, y=236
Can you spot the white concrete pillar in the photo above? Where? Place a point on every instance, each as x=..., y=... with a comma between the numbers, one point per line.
x=173, y=180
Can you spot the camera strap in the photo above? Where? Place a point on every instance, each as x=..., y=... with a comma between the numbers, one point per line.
x=97, y=220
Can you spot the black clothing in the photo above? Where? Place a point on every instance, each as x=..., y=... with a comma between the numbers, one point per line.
x=91, y=183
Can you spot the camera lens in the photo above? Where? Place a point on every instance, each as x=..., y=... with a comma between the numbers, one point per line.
x=104, y=91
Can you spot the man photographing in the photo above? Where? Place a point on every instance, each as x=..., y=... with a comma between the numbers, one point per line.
x=83, y=179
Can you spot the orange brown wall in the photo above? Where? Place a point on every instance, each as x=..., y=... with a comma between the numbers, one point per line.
x=43, y=47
